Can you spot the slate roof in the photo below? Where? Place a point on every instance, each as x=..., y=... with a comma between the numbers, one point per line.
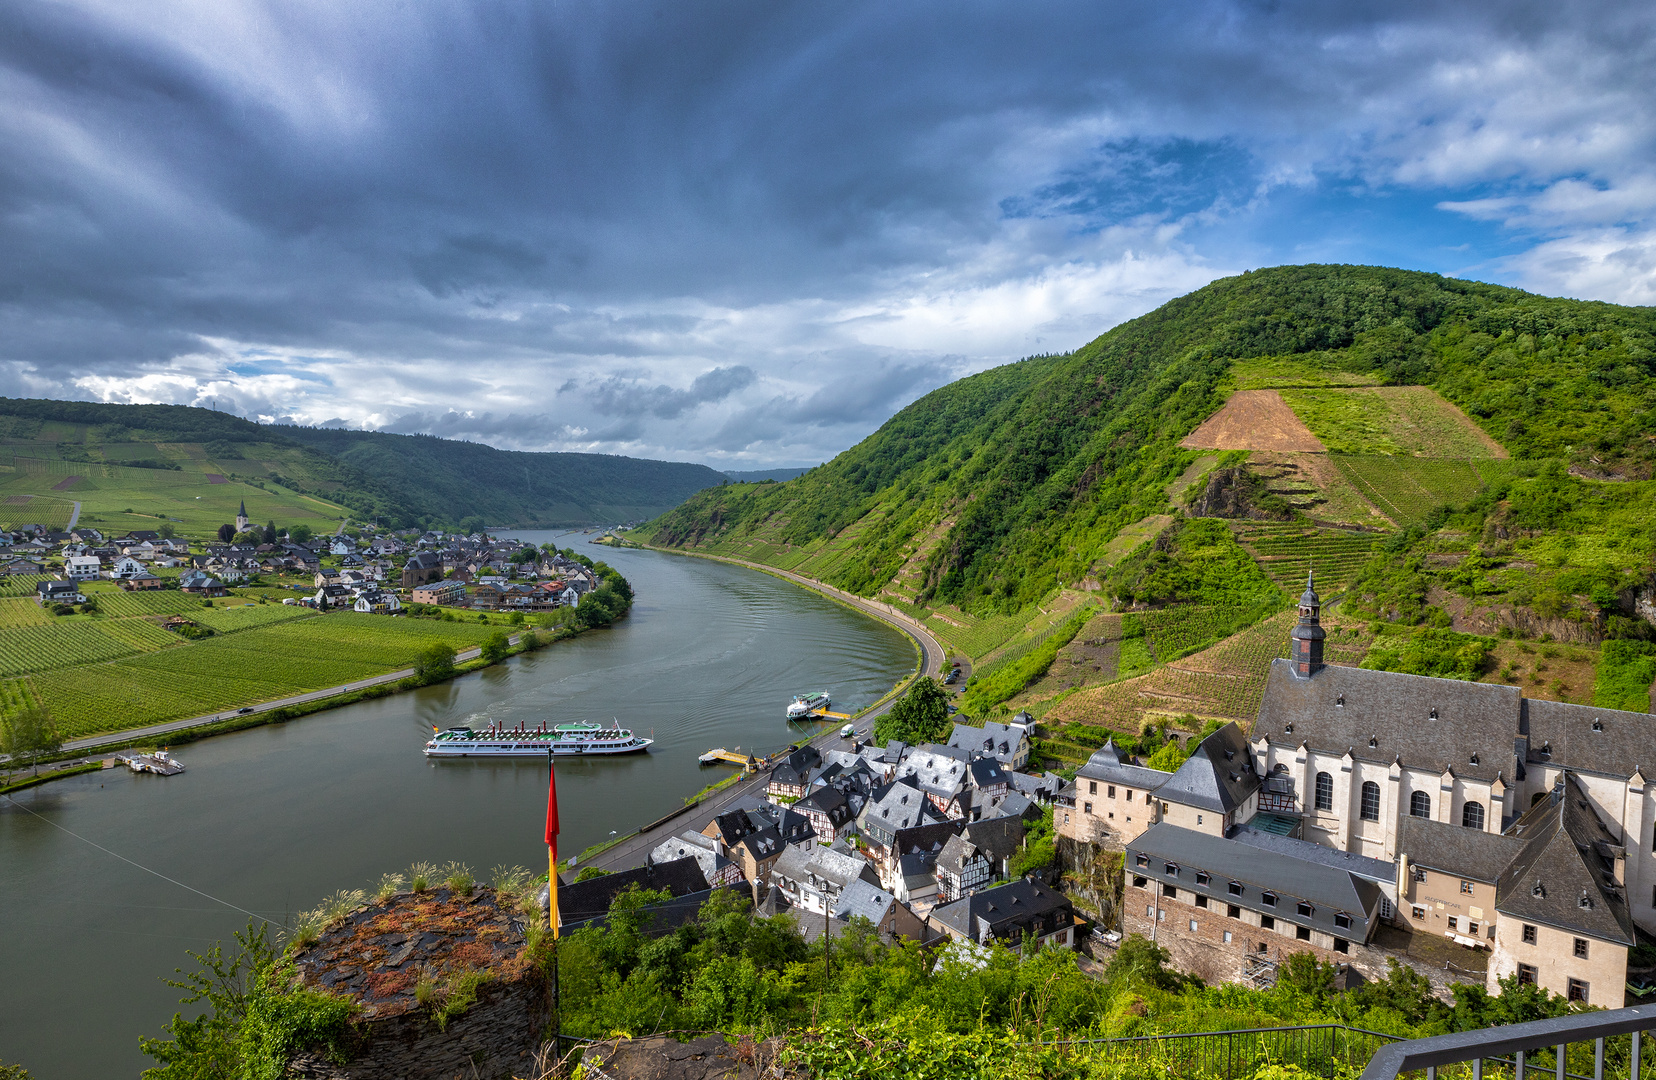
x=1622, y=741
x=997, y=838
x=1011, y=805
x=987, y=772
x=691, y=845
x=796, y=768
x=1109, y=764
x=1041, y=788
x=999, y=740
x=957, y=852
x=1296, y=874
x=1007, y=911
x=1364, y=867
x=862, y=898
x=1396, y=711
x=831, y=802
x=935, y=774
x=1217, y=776
x=1463, y=852
x=1564, y=875
x=818, y=867
x=896, y=806
x=918, y=869
x=582, y=900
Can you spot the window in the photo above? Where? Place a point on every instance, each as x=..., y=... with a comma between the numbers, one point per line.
x=1202, y=877
x=1192, y=926
x=1528, y=975
x=1142, y=860
x=1342, y=945
x=1172, y=869
x=1149, y=909
x=1227, y=936
x=1169, y=890
x=1086, y=808
x=1420, y=873
x=1267, y=922
x=1303, y=910
x=1466, y=887
x=1161, y=916
x=1385, y=908
x=1580, y=949
x=1129, y=794
x=1264, y=948
x=1471, y=928
x=1235, y=888
x=1302, y=933
x=1325, y=791
x=1201, y=901
x=1454, y=924
x=1371, y=801
x=1417, y=911
x=1092, y=787
x=1578, y=991
x=1111, y=791
x=1232, y=911
x=1139, y=882
x=1066, y=819
x=1198, y=816
x=1420, y=805
x=1342, y=920
x=1472, y=815
x=1269, y=899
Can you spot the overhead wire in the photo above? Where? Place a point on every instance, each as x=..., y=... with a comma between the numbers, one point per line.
x=139, y=865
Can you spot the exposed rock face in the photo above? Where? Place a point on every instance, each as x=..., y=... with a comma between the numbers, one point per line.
x=1238, y=493
x=379, y=956
x=709, y=1058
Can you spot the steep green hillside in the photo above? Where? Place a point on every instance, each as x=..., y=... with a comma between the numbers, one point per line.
x=983, y=501
x=172, y=461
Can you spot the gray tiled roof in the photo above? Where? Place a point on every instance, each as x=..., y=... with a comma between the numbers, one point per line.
x=861, y=898
x=1007, y=911
x=1217, y=776
x=1108, y=764
x=1396, y=711
x=987, y=772
x=1378, y=870
x=997, y=838
x=1000, y=740
x=1624, y=740
x=1563, y=875
x=898, y=805
x=1291, y=876
x=1463, y=852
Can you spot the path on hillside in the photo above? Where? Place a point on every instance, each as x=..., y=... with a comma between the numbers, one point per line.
x=631, y=851
x=264, y=706
x=74, y=516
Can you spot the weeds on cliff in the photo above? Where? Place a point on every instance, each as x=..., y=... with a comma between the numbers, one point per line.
x=307, y=927
x=511, y=884
x=421, y=875
x=458, y=877
x=341, y=904
x=389, y=885
x=458, y=994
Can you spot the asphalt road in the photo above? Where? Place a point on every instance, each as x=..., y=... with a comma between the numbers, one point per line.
x=631, y=851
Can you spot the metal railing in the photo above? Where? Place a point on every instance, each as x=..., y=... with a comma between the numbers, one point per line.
x=1319, y=1049
x=1539, y=1046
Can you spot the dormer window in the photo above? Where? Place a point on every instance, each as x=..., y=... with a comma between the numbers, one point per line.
x=1434, y=715
x=1230, y=754
x=1598, y=725
x=1538, y=890
x=1288, y=728
x=1546, y=749
x=1373, y=742
x=1339, y=702
x=1474, y=757
x=1586, y=902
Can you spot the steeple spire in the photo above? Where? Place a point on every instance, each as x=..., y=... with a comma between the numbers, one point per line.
x=1306, y=638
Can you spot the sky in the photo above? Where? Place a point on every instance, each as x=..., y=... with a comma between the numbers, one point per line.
x=747, y=233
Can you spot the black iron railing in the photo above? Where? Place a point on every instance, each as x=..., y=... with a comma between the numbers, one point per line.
x=1607, y=1043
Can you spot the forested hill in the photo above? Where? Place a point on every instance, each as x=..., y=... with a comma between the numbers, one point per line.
x=401, y=480
x=1423, y=437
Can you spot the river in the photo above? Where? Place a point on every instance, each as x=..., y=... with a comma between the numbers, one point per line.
x=274, y=819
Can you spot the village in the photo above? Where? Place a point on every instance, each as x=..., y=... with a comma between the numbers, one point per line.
x=359, y=569
x=1369, y=818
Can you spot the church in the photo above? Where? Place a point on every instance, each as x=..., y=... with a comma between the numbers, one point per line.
x=1367, y=807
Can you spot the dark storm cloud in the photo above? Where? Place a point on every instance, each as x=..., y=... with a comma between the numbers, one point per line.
x=703, y=229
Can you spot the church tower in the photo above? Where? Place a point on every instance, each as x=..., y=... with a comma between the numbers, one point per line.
x=241, y=518
x=1308, y=633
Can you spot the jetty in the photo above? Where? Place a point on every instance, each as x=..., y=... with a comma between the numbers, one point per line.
x=161, y=763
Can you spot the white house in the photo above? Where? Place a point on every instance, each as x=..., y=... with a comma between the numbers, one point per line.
x=126, y=566
x=82, y=567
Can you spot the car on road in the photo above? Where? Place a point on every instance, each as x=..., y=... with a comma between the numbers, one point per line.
x=243, y=712
x=848, y=731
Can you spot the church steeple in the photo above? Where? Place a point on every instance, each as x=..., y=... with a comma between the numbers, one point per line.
x=1307, y=635
x=241, y=517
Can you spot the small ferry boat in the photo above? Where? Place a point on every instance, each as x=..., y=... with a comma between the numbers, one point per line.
x=806, y=704
x=564, y=740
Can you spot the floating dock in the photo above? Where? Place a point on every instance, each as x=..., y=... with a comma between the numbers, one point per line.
x=160, y=763
x=728, y=757
x=821, y=714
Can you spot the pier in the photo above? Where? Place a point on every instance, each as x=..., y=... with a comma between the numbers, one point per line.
x=160, y=763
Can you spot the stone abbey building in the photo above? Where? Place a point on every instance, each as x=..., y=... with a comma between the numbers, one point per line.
x=1364, y=798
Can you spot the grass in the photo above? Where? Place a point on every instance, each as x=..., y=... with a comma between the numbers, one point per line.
x=1390, y=420
x=1407, y=490
x=261, y=663
x=1284, y=372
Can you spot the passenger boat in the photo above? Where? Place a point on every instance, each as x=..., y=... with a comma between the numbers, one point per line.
x=806, y=704
x=564, y=740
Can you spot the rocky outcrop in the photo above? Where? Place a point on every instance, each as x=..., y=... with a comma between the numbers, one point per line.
x=447, y=987
x=708, y=1058
x=1238, y=493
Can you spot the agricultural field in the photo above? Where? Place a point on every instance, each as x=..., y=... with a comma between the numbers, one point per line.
x=16, y=696
x=1408, y=489
x=228, y=620
x=1286, y=552
x=19, y=584
x=1294, y=372
x=22, y=611
x=115, y=601
x=236, y=669
x=74, y=641
x=19, y=510
x=1311, y=484
x=1390, y=420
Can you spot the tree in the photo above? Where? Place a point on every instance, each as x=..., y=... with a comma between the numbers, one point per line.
x=226, y=533
x=29, y=735
x=166, y=530
x=922, y=716
x=434, y=662
x=1138, y=960
x=298, y=534
x=270, y=533
x=494, y=649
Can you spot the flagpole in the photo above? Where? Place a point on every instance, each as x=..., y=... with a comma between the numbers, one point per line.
x=552, y=894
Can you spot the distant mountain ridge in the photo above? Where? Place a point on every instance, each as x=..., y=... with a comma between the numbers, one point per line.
x=402, y=480
x=759, y=476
